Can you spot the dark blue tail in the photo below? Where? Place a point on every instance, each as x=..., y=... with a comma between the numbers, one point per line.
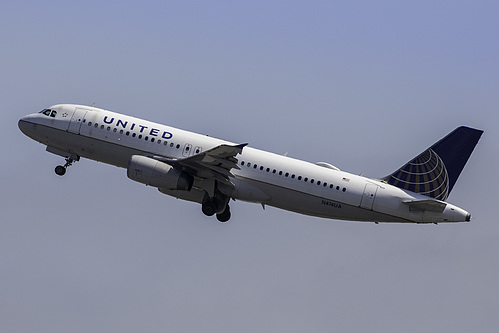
x=435, y=171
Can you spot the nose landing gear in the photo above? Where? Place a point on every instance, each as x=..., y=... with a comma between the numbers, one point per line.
x=61, y=170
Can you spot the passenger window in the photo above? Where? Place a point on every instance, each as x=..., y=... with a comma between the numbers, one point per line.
x=268, y=169
x=299, y=177
x=344, y=189
x=318, y=182
x=242, y=163
x=261, y=168
x=134, y=135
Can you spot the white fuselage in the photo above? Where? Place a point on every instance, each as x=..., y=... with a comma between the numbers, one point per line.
x=264, y=177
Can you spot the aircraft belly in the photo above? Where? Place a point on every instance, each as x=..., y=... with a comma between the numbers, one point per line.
x=86, y=147
x=308, y=204
x=104, y=151
x=248, y=190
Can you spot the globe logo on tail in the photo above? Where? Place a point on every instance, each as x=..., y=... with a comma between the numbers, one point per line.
x=426, y=174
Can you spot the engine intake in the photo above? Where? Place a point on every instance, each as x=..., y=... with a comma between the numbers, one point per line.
x=152, y=172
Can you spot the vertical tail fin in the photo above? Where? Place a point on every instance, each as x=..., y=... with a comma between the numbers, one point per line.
x=435, y=171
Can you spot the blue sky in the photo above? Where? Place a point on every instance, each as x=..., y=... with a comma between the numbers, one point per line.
x=365, y=86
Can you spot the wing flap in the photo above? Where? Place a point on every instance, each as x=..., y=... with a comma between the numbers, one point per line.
x=216, y=168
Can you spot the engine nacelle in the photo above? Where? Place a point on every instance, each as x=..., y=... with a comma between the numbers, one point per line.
x=151, y=172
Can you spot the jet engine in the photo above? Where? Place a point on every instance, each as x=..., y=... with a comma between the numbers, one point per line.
x=152, y=172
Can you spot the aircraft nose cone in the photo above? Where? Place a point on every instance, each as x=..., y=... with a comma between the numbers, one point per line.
x=25, y=125
x=22, y=124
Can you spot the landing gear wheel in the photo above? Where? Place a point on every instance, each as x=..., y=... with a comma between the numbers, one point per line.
x=208, y=208
x=225, y=216
x=60, y=170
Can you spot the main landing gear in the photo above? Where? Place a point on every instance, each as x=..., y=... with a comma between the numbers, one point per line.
x=61, y=170
x=217, y=205
x=225, y=215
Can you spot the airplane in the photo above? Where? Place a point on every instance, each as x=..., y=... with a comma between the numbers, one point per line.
x=211, y=171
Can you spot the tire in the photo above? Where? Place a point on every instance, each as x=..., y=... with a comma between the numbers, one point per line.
x=225, y=216
x=208, y=208
x=60, y=170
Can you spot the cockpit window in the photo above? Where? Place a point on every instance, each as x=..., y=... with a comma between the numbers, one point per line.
x=48, y=112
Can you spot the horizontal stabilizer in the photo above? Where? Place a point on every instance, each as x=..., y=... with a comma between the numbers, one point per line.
x=426, y=205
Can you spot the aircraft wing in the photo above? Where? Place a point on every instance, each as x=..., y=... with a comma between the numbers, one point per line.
x=214, y=163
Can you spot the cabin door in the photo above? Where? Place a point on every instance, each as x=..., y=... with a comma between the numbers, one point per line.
x=76, y=121
x=368, y=197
